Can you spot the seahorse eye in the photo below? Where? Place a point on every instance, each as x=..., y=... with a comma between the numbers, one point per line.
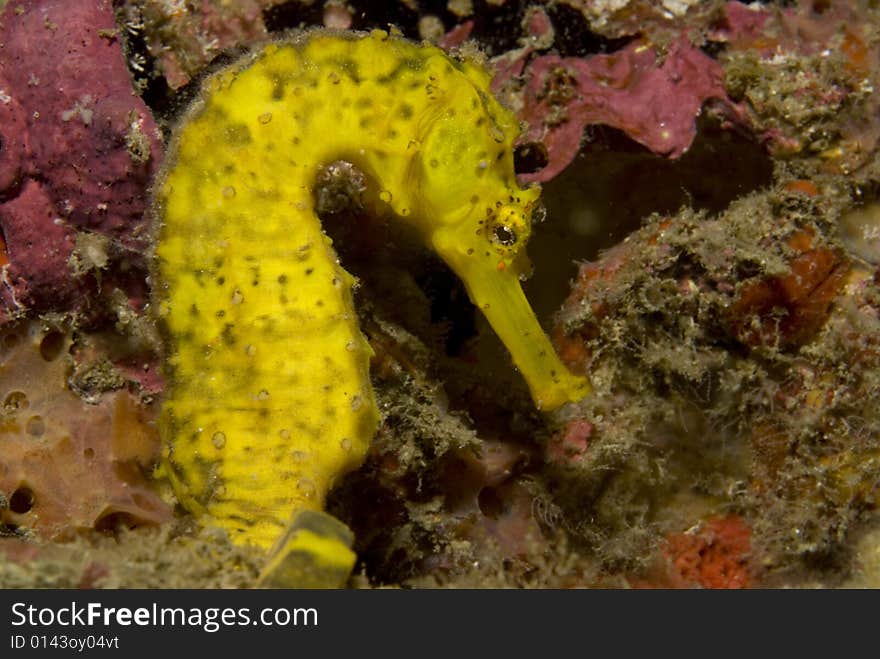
x=504, y=235
x=509, y=229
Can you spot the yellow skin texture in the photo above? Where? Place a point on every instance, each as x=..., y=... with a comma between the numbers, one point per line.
x=269, y=398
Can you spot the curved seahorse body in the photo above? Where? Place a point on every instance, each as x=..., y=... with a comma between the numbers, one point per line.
x=269, y=398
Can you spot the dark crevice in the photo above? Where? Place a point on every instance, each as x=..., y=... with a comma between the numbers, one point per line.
x=497, y=28
x=21, y=501
x=293, y=14
x=450, y=308
x=713, y=48
x=114, y=522
x=174, y=104
x=573, y=36
x=530, y=157
x=615, y=183
x=153, y=88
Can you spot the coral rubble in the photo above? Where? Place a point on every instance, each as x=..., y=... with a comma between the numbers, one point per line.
x=718, y=345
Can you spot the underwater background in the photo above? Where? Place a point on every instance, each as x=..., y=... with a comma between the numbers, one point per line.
x=705, y=252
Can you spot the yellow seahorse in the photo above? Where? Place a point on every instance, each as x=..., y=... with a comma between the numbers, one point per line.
x=268, y=398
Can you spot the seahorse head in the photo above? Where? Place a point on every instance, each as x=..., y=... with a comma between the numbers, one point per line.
x=466, y=179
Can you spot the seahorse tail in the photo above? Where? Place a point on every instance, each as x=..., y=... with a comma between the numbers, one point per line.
x=314, y=552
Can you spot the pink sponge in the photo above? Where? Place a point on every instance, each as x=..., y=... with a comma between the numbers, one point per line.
x=67, y=465
x=72, y=136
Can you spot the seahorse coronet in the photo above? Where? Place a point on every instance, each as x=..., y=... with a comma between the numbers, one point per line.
x=268, y=398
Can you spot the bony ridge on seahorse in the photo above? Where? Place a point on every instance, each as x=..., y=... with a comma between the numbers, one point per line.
x=268, y=398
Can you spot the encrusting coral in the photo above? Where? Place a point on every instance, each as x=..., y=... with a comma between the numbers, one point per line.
x=65, y=467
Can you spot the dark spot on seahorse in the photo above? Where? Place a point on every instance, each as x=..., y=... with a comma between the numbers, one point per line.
x=179, y=472
x=238, y=134
x=278, y=84
x=214, y=113
x=406, y=111
x=244, y=521
x=282, y=279
x=405, y=64
x=227, y=336
x=350, y=68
